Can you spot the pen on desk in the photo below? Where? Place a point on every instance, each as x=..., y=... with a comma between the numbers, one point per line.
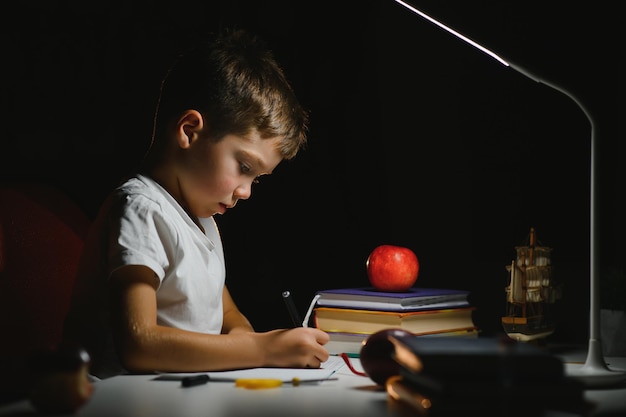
x=192, y=381
x=291, y=308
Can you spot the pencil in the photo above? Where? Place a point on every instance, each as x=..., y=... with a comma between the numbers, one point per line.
x=291, y=308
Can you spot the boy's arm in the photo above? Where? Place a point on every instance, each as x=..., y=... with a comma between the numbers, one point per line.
x=145, y=346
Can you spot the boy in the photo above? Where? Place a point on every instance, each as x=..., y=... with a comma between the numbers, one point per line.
x=150, y=293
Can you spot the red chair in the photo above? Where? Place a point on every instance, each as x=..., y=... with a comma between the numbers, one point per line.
x=42, y=232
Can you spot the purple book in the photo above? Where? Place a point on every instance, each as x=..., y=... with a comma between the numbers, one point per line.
x=414, y=299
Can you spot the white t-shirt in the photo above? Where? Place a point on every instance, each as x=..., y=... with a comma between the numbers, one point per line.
x=142, y=224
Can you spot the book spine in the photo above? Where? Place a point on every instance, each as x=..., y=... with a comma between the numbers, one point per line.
x=382, y=306
x=368, y=322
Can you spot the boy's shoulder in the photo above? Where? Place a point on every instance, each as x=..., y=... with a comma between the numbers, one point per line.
x=139, y=185
x=135, y=183
x=141, y=193
x=136, y=191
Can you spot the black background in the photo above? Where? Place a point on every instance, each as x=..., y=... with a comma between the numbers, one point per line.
x=416, y=138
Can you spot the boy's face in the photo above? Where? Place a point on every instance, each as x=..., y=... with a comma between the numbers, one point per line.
x=215, y=175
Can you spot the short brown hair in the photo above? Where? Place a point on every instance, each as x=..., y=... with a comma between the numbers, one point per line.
x=235, y=82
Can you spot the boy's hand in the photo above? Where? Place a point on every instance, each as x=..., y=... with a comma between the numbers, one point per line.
x=301, y=347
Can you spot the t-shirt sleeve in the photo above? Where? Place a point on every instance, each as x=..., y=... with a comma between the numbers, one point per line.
x=141, y=236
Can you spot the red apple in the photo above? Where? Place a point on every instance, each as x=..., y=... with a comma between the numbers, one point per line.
x=392, y=268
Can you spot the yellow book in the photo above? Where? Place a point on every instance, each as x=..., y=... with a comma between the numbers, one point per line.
x=347, y=320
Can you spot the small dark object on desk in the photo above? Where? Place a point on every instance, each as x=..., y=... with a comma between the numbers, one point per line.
x=192, y=381
x=377, y=355
x=59, y=379
x=456, y=376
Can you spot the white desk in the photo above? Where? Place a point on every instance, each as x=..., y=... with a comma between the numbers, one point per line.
x=349, y=395
x=140, y=395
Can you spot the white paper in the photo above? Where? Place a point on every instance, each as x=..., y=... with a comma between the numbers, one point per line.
x=326, y=370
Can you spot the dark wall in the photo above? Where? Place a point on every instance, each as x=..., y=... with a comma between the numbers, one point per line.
x=416, y=138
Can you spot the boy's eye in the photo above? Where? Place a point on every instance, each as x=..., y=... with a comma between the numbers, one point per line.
x=244, y=168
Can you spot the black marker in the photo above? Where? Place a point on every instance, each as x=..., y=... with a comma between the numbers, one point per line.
x=192, y=381
x=291, y=308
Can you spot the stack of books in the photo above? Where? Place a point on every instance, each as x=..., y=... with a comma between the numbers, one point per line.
x=350, y=315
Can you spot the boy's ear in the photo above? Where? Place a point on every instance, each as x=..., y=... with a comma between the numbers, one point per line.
x=188, y=128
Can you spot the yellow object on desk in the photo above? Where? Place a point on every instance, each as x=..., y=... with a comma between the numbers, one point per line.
x=258, y=383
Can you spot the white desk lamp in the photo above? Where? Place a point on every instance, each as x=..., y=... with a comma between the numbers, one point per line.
x=594, y=372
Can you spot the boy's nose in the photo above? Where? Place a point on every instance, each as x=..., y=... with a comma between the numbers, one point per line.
x=243, y=192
